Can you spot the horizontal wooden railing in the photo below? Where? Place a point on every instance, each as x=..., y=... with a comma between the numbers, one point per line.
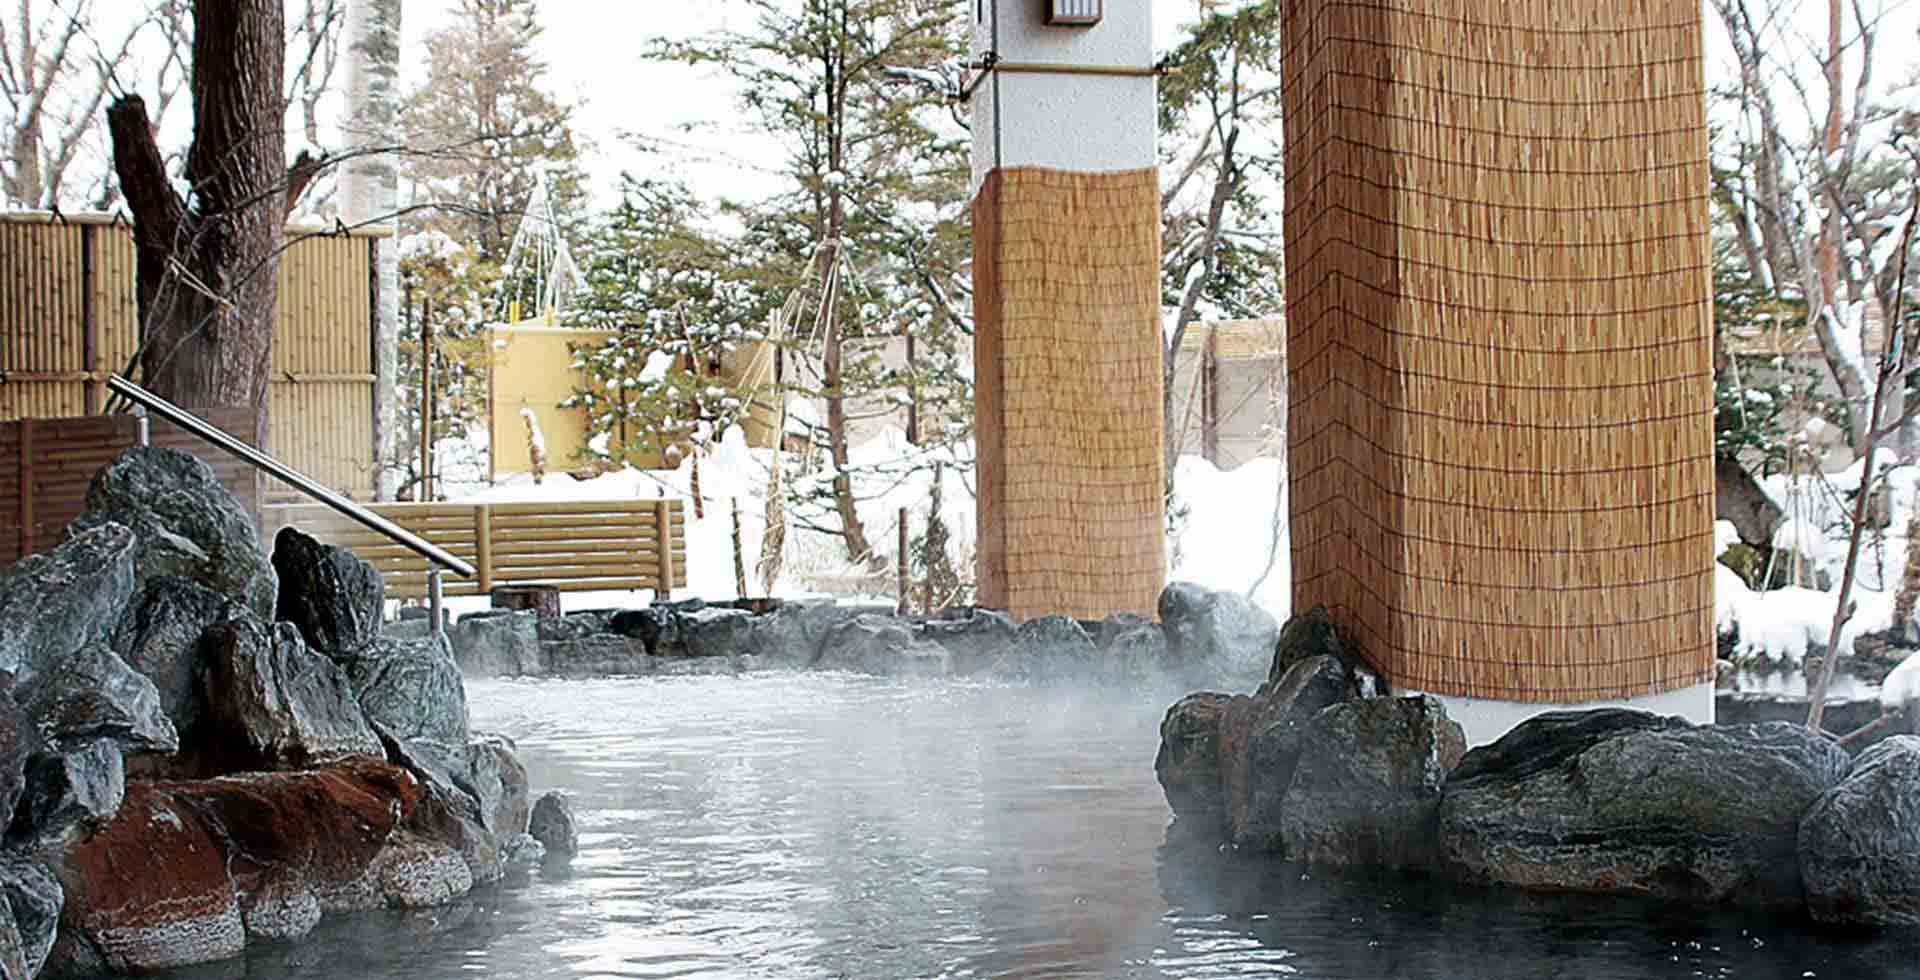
x=575, y=546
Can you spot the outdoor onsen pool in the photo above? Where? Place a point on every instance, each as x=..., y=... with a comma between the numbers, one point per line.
x=829, y=826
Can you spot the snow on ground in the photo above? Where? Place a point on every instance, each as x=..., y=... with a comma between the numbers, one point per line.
x=1779, y=625
x=1224, y=542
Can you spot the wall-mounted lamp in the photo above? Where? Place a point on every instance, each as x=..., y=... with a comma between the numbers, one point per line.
x=1073, y=13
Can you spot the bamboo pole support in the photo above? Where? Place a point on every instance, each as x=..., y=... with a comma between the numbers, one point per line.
x=663, y=543
x=905, y=584
x=739, y=556
x=483, y=545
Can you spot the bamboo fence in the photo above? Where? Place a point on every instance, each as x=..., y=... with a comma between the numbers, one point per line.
x=1067, y=391
x=68, y=318
x=1500, y=426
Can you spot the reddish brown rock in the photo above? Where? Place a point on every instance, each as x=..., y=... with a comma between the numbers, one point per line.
x=258, y=852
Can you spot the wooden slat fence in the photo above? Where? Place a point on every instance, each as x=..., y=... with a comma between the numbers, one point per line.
x=47, y=464
x=573, y=546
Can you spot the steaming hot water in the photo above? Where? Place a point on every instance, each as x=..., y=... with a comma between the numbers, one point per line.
x=824, y=826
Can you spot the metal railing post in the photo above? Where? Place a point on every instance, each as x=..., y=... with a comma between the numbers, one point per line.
x=435, y=595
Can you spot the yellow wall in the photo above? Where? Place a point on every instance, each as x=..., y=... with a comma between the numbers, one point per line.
x=533, y=368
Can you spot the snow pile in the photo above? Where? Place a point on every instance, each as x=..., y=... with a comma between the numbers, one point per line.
x=1901, y=686
x=1779, y=626
x=1224, y=542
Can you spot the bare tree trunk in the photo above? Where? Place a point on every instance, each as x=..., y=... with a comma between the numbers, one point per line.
x=370, y=191
x=207, y=267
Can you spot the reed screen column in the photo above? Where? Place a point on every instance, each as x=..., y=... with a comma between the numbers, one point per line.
x=1499, y=314
x=1067, y=304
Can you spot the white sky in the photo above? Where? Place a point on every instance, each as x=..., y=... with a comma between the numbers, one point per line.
x=592, y=50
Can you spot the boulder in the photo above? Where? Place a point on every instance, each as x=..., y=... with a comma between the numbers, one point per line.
x=656, y=627
x=186, y=523
x=272, y=703
x=574, y=626
x=237, y=849
x=1859, y=846
x=1189, y=764
x=54, y=603
x=521, y=855
x=552, y=824
x=412, y=688
x=334, y=598
x=1623, y=801
x=499, y=783
x=716, y=632
x=974, y=643
x=30, y=917
x=1260, y=745
x=16, y=745
x=1314, y=634
x=74, y=789
x=1367, y=784
x=161, y=636
x=595, y=655
x=792, y=635
x=504, y=644
x=1135, y=647
x=881, y=645
x=1049, y=648
x=94, y=694
x=1217, y=631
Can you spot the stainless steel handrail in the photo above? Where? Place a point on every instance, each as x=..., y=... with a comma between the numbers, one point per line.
x=259, y=460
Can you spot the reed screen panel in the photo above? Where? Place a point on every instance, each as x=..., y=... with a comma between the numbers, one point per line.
x=1499, y=315
x=1067, y=396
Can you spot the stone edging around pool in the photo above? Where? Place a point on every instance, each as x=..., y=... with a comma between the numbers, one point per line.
x=1606, y=801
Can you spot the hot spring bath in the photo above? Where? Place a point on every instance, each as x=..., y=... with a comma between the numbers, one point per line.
x=830, y=826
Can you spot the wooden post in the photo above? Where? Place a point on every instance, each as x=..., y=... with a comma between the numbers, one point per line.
x=739, y=556
x=1210, y=396
x=26, y=487
x=426, y=400
x=483, y=545
x=913, y=394
x=90, y=322
x=663, y=541
x=905, y=586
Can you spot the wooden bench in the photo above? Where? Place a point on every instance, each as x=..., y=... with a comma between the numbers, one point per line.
x=573, y=546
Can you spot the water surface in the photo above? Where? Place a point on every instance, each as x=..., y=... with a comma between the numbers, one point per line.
x=824, y=826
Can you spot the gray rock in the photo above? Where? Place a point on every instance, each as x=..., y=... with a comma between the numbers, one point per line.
x=521, y=855
x=1189, y=763
x=94, y=694
x=186, y=522
x=412, y=688
x=1366, y=789
x=330, y=594
x=272, y=703
x=1260, y=746
x=161, y=636
x=883, y=646
x=1308, y=635
x=76, y=789
x=1217, y=631
x=1623, y=801
x=499, y=782
x=1134, y=646
x=1050, y=648
x=1859, y=845
x=33, y=897
x=792, y=635
x=657, y=628
x=975, y=643
x=16, y=745
x=411, y=873
x=54, y=603
x=552, y=824
x=574, y=626
x=595, y=655
x=716, y=632
x=501, y=645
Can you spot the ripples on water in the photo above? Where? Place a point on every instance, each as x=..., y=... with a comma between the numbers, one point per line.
x=822, y=826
